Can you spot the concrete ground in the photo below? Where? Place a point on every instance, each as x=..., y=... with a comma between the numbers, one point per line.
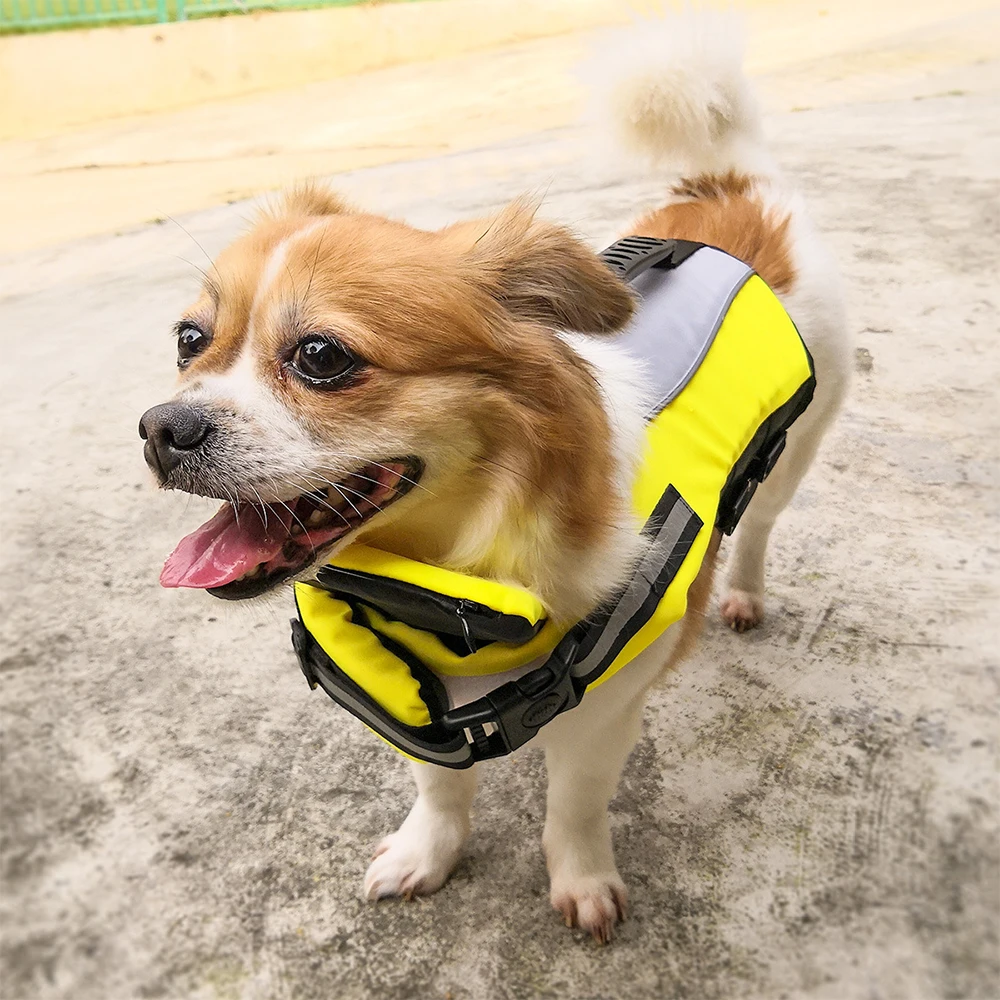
x=812, y=810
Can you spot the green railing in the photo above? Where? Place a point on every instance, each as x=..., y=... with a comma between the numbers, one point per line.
x=34, y=15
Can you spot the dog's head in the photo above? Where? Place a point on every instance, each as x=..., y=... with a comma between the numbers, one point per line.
x=346, y=376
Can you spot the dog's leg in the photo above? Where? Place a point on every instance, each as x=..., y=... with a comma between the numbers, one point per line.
x=418, y=858
x=584, y=763
x=743, y=605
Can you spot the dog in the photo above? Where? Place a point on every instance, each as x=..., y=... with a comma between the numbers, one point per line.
x=457, y=397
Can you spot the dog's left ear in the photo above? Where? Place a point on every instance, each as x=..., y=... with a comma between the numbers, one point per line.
x=540, y=272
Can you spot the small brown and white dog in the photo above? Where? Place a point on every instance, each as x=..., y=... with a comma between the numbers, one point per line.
x=458, y=397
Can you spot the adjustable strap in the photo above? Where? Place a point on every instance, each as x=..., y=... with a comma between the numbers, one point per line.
x=672, y=527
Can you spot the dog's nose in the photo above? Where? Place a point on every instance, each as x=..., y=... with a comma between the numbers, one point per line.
x=171, y=430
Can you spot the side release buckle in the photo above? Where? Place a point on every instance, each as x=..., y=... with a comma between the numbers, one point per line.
x=758, y=470
x=509, y=716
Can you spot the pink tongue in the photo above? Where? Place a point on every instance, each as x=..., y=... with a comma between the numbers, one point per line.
x=222, y=550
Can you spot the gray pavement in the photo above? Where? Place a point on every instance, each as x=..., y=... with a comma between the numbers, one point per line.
x=812, y=809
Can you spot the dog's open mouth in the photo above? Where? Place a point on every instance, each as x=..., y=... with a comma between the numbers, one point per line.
x=248, y=548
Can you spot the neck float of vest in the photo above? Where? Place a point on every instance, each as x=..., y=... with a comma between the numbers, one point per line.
x=450, y=668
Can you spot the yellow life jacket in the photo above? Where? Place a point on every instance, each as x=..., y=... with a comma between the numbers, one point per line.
x=451, y=668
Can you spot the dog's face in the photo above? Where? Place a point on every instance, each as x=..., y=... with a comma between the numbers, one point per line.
x=346, y=376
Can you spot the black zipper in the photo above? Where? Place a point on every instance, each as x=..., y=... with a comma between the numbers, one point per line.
x=460, y=609
x=467, y=612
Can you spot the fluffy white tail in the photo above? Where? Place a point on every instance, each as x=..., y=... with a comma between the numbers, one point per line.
x=673, y=89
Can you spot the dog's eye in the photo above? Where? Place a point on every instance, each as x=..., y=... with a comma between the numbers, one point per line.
x=321, y=360
x=191, y=341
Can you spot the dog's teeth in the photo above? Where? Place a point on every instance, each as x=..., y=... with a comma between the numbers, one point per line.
x=336, y=498
x=338, y=505
x=316, y=518
x=296, y=529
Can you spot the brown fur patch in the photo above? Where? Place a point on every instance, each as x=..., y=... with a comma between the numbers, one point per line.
x=726, y=212
x=713, y=185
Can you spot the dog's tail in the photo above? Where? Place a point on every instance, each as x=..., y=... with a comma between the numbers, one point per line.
x=674, y=90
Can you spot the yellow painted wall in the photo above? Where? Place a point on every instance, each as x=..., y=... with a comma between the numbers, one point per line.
x=57, y=79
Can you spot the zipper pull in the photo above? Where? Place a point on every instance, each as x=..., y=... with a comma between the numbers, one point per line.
x=466, y=631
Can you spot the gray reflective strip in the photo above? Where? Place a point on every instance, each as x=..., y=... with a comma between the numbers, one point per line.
x=639, y=587
x=680, y=314
x=395, y=737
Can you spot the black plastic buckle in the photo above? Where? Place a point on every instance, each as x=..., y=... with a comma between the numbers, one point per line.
x=758, y=470
x=740, y=506
x=515, y=711
x=769, y=459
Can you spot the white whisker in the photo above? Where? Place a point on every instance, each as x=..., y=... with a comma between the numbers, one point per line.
x=263, y=513
x=311, y=474
x=358, y=475
x=341, y=489
x=324, y=503
x=234, y=503
x=290, y=511
x=406, y=479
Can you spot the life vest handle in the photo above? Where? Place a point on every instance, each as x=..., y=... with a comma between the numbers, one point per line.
x=630, y=256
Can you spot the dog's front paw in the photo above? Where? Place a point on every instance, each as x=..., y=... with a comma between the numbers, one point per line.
x=594, y=903
x=416, y=860
x=742, y=611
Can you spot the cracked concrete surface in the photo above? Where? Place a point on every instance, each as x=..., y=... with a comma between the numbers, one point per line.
x=812, y=809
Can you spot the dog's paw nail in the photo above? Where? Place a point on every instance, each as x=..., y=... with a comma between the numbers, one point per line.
x=406, y=866
x=742, y=611
x=593, y=904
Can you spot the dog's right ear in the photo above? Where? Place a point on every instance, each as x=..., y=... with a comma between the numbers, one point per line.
x=308, y=199
x=542, y=273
